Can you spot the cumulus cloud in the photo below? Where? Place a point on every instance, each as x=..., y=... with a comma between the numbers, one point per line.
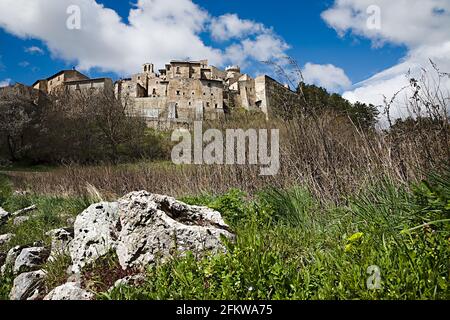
x=5, y=83
x=422, y=26
x=231, y=26
x=327, y=76
x=156, y=31
x=34, y=50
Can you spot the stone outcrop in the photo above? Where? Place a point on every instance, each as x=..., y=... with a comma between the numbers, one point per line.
x=11, y=257
x=28, y=286
x=20, y=220
x=155, y=227
x=30, y=259
x=61, y=241
x=132, y=281
x=5, y=238
x=95, y=234
x=69, y=291
x=24, y=211
x=4, y=216
x=140, y=228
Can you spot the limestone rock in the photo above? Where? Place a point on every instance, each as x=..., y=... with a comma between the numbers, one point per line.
x=4, y=216
x=20, y=220
x=133, y=281
x=27, y=285
x=2, y=258
x=61, y=240
x=11, y=257
x=5, y=238
x=95, y=234
x=69, y=291
x=156, y=226
x=24, y=211
x=30, y=259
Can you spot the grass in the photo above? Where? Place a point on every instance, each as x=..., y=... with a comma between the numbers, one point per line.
x=290, y=245
x=311, y=251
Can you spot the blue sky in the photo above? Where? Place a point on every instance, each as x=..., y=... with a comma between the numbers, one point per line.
x=298, y=22
x=329, y=39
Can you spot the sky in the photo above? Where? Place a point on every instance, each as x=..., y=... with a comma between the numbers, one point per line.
x=359, y=48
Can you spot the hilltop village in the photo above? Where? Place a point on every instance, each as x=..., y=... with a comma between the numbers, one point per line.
x=180, y=93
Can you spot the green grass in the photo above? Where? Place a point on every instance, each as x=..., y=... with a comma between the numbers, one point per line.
x=289, y=246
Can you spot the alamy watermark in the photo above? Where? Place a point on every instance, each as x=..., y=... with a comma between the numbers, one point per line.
x=374, y=279
x=73, y=21
x=236, y=147
x=374, y=17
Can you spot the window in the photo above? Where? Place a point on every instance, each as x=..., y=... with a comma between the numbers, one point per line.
x=154, y=91
x=217, y=105
x=190, y=103
x=178, y=93
x=178, y=70
x=207, y=104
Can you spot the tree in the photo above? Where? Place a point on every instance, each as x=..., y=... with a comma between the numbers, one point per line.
x=319, y=100
x=18, y=112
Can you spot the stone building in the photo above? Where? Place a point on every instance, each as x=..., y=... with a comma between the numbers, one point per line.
x=192, y=90
x=73, y=81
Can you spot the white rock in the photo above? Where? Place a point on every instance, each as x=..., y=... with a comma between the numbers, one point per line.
x=27, y=285
x=95, y=234
x=134, y=281
x=24, y=210
x=11, y=257
x=155, y=226
x=5, y=238
x=4, y=216
x=69, y=291
x=61, y=240
x=30, y=259
x=20, y=220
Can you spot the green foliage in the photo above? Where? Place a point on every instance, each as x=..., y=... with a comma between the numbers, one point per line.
x=6, y=283
x=308, y=250
x=51, y=213
x=320, y=100
x=56, y=271
x=5, y=189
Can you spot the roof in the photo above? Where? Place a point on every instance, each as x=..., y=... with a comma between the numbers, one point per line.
x=185, y=62
x=86, y=80
x=56, y=75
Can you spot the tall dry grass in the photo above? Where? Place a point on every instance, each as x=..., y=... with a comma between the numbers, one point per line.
x=332, y=157
x=326, y=152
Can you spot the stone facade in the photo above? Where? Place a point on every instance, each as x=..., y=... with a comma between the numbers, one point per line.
x=192, y=90
x=73, y=81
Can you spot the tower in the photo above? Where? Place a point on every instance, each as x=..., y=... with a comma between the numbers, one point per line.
x=148, y=68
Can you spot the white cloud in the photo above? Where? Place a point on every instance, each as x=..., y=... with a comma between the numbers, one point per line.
x=423, y=26
x=263, y=48
x=231, y=26
x=34, y=50
x=157, y=31
x=5, y=83
x=24, y=64
x=327, y=76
